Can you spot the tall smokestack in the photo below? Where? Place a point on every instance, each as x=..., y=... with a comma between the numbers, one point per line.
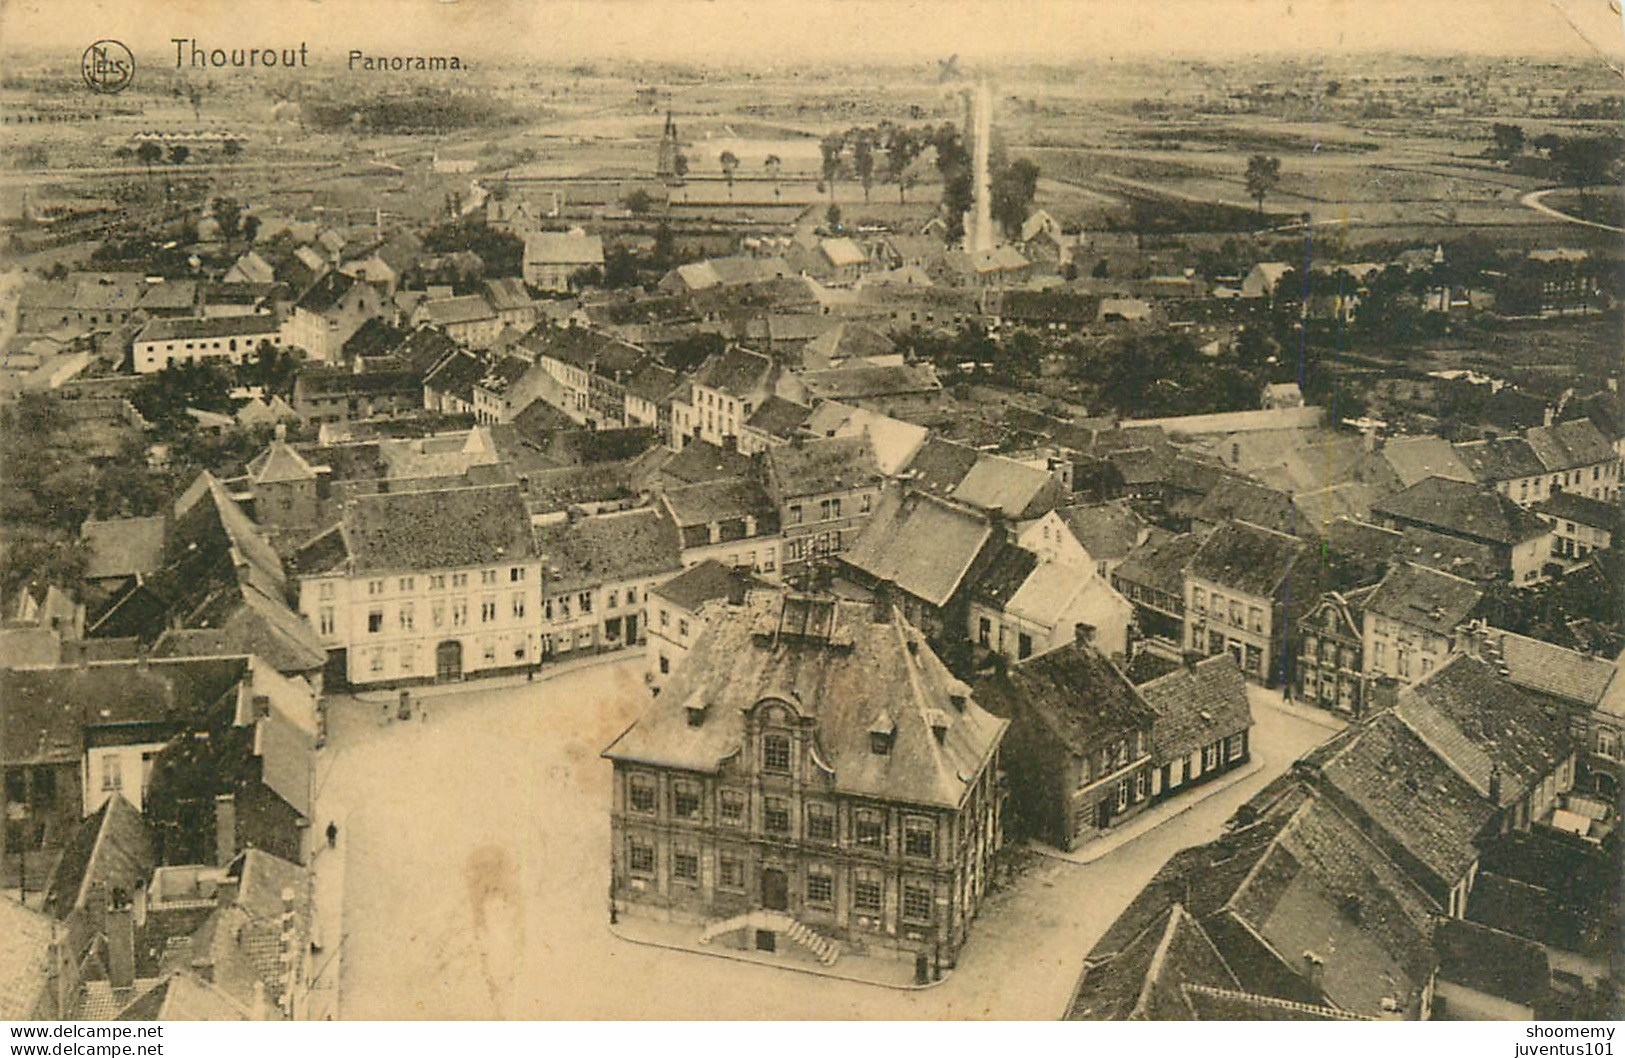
x=982, y=230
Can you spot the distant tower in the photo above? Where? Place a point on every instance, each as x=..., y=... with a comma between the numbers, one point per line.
x=666, y=163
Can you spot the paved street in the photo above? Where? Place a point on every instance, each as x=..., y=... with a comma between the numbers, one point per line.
x=477, y=852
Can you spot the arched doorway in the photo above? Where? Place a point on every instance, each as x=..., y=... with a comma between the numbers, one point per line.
x=448, y=660
x=775, y=890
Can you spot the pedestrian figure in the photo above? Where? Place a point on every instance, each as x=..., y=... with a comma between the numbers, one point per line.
x=423, y=712
x=385, y=721
x=332, y=835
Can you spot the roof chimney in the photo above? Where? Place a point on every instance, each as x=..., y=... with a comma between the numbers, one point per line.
x=225, y=829
x=1083, y=632
x=120, y=947
x=881, y=609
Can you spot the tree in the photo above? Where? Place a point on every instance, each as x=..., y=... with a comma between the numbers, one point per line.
x=232, y=148
x=830, y=148
x=1584, y=160
x=953, y=163
x=901, y=150
x=228, y=214
x=832, y=217
x=179, y=153
x=1013, y=190
x=664, y=254
x=863, y=160
x=729, y=162
x=1508, y=141
x=148, y=153
x=772, y=164
x=1263, y=173
x=251, y=227
x=638, y=201
x=680, y=165
x=586, y=276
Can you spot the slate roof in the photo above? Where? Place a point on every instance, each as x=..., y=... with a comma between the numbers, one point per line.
x=182, y=996
x=1247, y=558
x=737, y=372
x=1075, y=691
x=424, y=348
x=1586, y=510
x=594, y=351
x=1566, y=445
x=778, y=417
x=609, y=548
x=1220, y=1004
x=122, y=547
x=326, y=292
x=848, y=341
x=655, y=383
x=1465, y=558
x=1004, y=576
x=1049, y=306
x=824, y=465
x=439, y=529
x=834, y=663
x=1415, y=458
x=699, y=461
x=1237, y=498
x=181, y=328
x=1499, y=739
x=1014, y=489
x=457, y=375
x=1424, y=598
x=112, y=847
x=1196, y=705
x=1503, y=459
x=1108, y=531
x=866, y=383
x=1148, y=981
x=470, y=308
x=721, y=500
x=1494, y=963
x=939, y=465
x=507, y=293
x=1463, y=510
x=1159, y=563
x=699, y=584
x=1413, y=798
x=923, y=545
x=1545, y=668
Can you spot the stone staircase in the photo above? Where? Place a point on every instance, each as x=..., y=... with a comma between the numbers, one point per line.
x=825, y=949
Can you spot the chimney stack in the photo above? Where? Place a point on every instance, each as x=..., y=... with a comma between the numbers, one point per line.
x=1382, y=693
x=120, y=947
x=1083, y=632
x=225, y=829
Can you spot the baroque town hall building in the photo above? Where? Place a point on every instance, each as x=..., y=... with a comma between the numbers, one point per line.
x=811, y=780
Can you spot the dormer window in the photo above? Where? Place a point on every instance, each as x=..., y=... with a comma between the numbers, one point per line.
x=880, y=743
x=776, y=753
x=696, y=714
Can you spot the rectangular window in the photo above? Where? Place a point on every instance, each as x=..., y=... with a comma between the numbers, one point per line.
x=820, y=886
x=407, y=617
x=459, y=613
x=665, y=618
x=1139, y=786
x=867, y=890
x=682, y=628
x=795, y=514
x=865, y=502
x=488, y=610
x=919, y=838
x=327, y=621
x=325, y=590
x=868, y=828
x=640, y=857
x=730, y=873
x=459, y=580
x=1255, y=619
x=406, y=584
x=1024, y=645
x=917, y=903
x=776, y=815
x=1198, y=600
x=641, y=793
x=685, y=865
x=731, y=807
x=614, y=599
x=375, y=587
x=516, y=575
x=437, y=614
x=437, y=582
x=112, y=773
x=518, y=605
x=375, y=621
x=1210, y=757
x=1232, y=747
x=685, y=801
x=488, y=577
x=820, y=822
x=1122, y=794
x=776, y=753
x=585, y=601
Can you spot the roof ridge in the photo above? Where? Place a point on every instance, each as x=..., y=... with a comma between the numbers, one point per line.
x=1176, y=912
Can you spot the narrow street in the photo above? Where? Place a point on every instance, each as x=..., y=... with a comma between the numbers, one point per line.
x=476, y=852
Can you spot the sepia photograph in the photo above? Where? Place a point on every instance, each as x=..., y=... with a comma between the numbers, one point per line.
x=812, y=510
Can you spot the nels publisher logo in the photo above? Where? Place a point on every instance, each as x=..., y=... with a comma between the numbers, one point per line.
x=107, y=67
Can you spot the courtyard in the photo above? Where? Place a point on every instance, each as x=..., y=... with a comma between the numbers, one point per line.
x=475, y=852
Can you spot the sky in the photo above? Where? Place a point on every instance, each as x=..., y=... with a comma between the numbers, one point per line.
x=759, y=32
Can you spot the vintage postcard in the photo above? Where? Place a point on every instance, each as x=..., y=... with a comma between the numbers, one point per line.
x=832, y=509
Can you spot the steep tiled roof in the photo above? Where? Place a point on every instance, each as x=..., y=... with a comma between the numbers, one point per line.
x=1424, y=598
x=736, y=372
x=1415, y=458
x=1197, y=705
x=594, y=351
x=327, y=292
x=778, y=417
x=720, y=500
x=824, y=465
x=608, y=548
x=183, y=996
x=923, y=545
x=1412, y=797
x=1148, y=981
x=1464, y=510
x=654, y=383
x=1247, y=501
x=112, y=848
x=862, y=383
x=1014, y=489
x=26, y=942
x=469, y=308
x=1545, y=668
x=939, y=466
x=1159, y=563
x=1075, y=691
x=1108, y=531
x=848, y=341
x=835, y=664
x=1566, y=445
x=1247, y=558
x=1500, y=740
x=435, y=530
x=179, y=328
x=1004, y=576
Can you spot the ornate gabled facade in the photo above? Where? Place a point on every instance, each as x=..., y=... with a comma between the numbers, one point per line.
x=812, y=777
